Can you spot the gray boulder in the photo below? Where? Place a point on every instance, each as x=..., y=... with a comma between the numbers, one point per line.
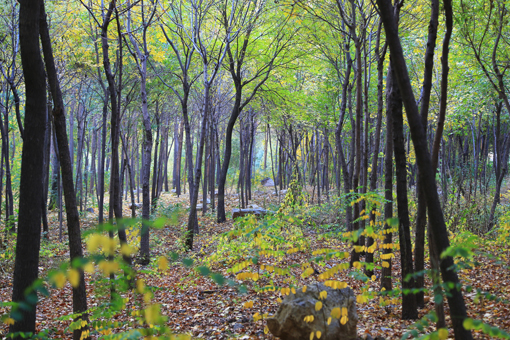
x=289, y=324
x=267, y=182
x=258, y=212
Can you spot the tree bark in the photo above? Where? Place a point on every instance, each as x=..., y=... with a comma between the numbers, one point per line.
x=455, y=298
x=30, y=193
x=409, y=307
x=73, y=218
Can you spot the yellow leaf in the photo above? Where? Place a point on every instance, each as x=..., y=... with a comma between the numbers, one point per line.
x=361, y=299
x=152, y=314
x=248, y=304
x=293, y=290
x=318, y=306
x=307, y=273
x=312, y=335
x=279, y=300
x=335, y=312
x=443, y=333
x=74, y=277
x=329, y=321
x=89, y=267
x=109, y=245
x=318, y=334
x=93, y=243
x=344, y=320
x=140, y=286
x=9, y=321
x=126, y=250
x=323, y=295
x=108, y=267
x=304, y=289
x=162, y=263
x=59, y=279
x=344, y=311
x=374, y=277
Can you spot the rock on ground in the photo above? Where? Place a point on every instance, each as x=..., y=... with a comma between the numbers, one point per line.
x=289, y=324
x=258, y=212
x=267, y=182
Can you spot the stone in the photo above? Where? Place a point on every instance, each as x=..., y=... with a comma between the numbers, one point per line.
x=267, y=182
x=289, y=324
x=369, y=337
x=259, y=212
x=137, y=205
x=90, y=210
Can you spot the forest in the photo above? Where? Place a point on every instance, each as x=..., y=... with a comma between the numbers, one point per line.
x=254, y=169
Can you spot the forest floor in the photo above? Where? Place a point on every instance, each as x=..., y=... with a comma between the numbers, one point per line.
x=197, y=306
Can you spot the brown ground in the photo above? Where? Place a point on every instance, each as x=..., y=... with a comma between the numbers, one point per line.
x=197, y=306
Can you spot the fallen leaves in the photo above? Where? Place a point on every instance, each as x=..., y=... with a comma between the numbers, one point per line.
x=197, y=306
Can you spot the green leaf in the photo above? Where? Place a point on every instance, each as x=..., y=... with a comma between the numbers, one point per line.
x=204, y=270
x=218, y=278
x=392, y=222
x=187, y=262
x=159, y=223
x=468, y=324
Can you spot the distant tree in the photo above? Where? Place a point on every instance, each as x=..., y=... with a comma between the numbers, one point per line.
x=248, y=68
x=484, y=28
x=140, y=53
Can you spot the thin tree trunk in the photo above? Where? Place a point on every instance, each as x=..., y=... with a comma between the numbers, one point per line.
x=73, y=219
x=409, y=307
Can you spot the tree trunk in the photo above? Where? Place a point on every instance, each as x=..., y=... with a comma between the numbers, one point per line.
x=409, y=307
x=30, y=193
x=73, y=218
x=386, y=276
x=455, y=298
x=380, y=55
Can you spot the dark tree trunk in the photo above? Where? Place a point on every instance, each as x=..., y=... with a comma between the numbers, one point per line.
x=9, y=199
x=355, y=253
x=409, y=307
x=155, y=172
x=228, y=152
x=115, y=189
x=436, y=218
x=48, y=132
x=31, y=185
x=176, y=178
x=196, y=175
x=73, y=218
x=380, y=55
x=386, y=276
